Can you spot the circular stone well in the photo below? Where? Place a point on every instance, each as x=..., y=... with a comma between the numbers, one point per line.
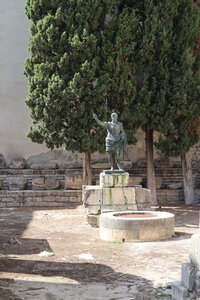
x=136, y=226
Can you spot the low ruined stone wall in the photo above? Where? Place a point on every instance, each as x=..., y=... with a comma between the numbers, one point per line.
x=39, y=198
x=168, y=181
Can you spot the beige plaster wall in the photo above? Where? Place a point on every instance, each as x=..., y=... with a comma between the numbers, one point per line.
x=14, y=117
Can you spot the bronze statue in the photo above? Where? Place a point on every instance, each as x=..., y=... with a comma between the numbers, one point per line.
x=115, y=140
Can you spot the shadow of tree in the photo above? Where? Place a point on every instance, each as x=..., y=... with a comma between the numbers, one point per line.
x=81, y=272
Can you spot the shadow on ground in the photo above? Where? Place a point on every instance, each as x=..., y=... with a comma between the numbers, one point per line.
x=13, y=223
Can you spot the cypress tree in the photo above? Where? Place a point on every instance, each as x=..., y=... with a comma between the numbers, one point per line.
x=64, y=75
x=163, y=91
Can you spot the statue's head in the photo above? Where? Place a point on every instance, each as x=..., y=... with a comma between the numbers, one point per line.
x=114, y=117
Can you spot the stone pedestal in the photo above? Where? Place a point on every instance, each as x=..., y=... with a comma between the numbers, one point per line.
x=114, y=194
x=115, y=179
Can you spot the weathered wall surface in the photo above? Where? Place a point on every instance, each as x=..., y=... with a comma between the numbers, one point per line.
x=15, y=120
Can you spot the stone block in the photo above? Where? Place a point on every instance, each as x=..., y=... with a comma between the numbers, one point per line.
x=174, y=197
x=101, y=165
x=30, y=203
x=1, y=184
x=7, y=199
x=16, y=183
x=51, y=184
x=74, y=199
x=18, y=163
x=158, y=183
x=188, y=276
x=195, y=251
x=162, y=162
x=62, y=199
x=93, y=220
x=92, y=195
x=126, y=165
x=114, y=207
x=179, y=292
x=13, y=204
x=134, y=181
x=113, y=196
x=118, y=196
x=49, y=199
x=197, y=285
x=47, y=166
x=49, y=204
x=73, y=181
x=143, y=206
x=45, y=184
x=142, y=196
x=38, y=183
x=2, y=162
x=175, y=186
x=30, y=199
x=129, y=194
x=131, y=207
x=38, y=199
x=141, y=163
x=114, y=180
x=94, y=210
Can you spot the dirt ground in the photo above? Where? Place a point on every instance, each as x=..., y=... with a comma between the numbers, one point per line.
x=109, y=271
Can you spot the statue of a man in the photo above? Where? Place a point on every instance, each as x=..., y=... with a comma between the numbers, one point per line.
x=115, y=140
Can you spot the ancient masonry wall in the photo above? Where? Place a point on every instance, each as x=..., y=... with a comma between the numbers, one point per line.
x=57, y=187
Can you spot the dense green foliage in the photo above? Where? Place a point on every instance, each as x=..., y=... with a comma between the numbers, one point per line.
x=129, y=56
x=152, y=73
x=64, y=74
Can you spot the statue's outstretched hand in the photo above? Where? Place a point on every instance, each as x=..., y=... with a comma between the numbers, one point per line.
x=94, y=116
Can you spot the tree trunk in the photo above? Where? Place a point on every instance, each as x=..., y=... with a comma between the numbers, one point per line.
x=188, y=188
x=87, y=169
x=151, y=181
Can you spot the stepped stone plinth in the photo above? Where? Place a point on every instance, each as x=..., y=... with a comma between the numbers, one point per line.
x=114, y=194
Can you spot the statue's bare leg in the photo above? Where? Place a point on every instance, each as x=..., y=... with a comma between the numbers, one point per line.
x=110, y=159
x=118, y=160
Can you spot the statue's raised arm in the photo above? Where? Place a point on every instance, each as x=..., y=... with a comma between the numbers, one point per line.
x=98, y=121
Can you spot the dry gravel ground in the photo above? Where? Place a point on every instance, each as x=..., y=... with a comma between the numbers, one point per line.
x=112, y=271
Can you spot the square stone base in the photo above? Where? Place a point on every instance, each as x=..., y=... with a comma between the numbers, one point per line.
x=114, y=179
